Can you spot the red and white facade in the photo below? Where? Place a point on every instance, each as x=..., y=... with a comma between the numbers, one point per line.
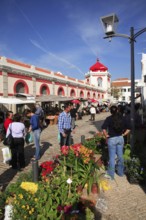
x=17, y=77
x=99, y=76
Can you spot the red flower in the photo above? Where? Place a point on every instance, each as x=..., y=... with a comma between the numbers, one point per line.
x=59, y=208
x=47, y=168
x=67, y=208
x=46, y=164
x=76, y=148
x=65, y=150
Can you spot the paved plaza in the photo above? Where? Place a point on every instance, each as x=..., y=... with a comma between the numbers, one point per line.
x=124, y=201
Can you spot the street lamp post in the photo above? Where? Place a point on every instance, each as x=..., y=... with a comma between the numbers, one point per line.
x=109, y=23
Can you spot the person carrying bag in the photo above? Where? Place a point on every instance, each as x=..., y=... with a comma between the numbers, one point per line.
x=8, y=140
x=17, y=131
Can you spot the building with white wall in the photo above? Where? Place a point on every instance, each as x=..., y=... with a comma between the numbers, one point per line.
x=121, y=90
x=124, y=86
x=99, y=76
x=17, y=77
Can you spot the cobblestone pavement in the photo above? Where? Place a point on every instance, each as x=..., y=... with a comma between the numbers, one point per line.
x=124, y=201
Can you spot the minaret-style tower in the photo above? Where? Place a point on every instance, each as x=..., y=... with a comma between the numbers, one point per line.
x=99, y=76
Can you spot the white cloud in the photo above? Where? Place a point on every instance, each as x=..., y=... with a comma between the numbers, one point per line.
x=54, y=59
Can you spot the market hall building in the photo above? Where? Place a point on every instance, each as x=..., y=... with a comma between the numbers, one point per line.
x=20, y=78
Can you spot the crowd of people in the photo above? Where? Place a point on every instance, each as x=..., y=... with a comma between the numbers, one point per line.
x=19, y=125
x=115, y=128
x=32, y=121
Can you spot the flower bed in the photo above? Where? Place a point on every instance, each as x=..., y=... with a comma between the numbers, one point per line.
x=56, y=193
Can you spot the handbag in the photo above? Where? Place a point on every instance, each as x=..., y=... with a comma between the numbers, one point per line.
x=2, y=132
x=6, y=154
x=29, y=138
x=8, y=141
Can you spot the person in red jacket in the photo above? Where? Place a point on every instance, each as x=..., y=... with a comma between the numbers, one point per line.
x=8, y=120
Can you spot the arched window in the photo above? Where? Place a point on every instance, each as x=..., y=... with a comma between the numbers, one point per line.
x=60, y=91
x=81, y=94
x=98, y=96
x=44, y=90
x=21, y=86
x=99, y=82
x=72, y=93
x=88, y=80
x=102, y=96
x=94, y=96
x=88, y=95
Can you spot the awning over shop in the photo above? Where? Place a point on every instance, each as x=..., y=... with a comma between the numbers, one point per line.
x=53, y=98
x=14, y=100
x=25, y=95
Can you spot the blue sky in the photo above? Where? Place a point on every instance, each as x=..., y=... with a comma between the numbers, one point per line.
x=66, y=35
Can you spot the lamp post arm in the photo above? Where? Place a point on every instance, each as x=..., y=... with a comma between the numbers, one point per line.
x=127, y=36
x=139, y=33
x=118, y=35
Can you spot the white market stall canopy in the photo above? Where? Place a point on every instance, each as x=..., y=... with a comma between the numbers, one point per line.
x=53, y=98
x=25, y=95
x=14, y=100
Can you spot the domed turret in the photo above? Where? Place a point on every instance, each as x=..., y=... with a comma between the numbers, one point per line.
x=98, y=67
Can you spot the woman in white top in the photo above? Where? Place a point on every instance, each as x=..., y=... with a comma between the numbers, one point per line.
x=92, y=112
x=17, y=130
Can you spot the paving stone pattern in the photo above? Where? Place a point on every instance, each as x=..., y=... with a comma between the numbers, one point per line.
x=124, y=201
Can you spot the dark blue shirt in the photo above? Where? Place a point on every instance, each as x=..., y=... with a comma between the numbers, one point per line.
x=34, y=121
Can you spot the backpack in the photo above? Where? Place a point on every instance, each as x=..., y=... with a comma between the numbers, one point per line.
x=117, y=123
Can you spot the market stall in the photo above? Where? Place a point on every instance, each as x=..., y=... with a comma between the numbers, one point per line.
x=15, y=104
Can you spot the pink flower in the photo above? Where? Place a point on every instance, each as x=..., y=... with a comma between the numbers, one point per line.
x=65, y=150
x=76, y=148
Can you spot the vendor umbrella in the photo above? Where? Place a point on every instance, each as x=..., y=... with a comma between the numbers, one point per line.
x=75, y=101
x=92, y=100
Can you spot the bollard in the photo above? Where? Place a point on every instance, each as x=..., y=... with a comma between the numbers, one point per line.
x=82, y=139
x=71, y=141
x=35, y=172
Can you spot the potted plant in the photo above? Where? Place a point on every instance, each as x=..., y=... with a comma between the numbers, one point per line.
x=94, y=144
x=134, y=170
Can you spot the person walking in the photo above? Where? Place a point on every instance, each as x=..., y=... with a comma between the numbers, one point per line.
x=73, y=113
x=64, y=126
x=40, y=112
x=36, y=129
x=115, y=127
x=92, y=112
x=79, y=111
x=17, y=129
x=8, y=120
